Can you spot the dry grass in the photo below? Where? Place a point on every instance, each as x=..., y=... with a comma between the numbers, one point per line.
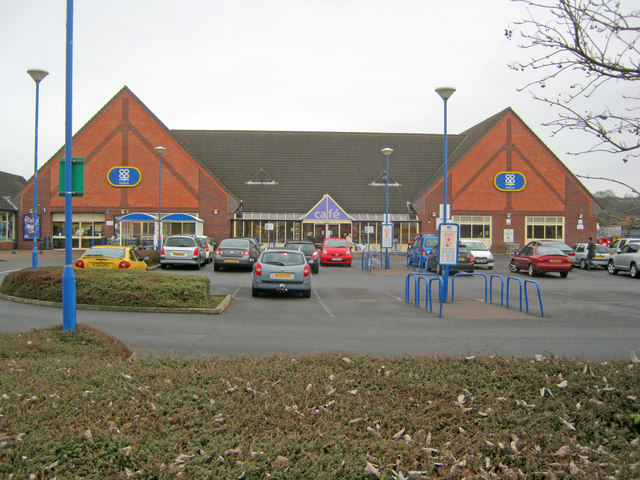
x=74, y=405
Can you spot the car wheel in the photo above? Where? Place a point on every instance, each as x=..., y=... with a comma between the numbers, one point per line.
x=611, y=268
x=198, y=265
x=512, y=267
x=163, y=266
x=255, y=292
x=316, y=269
x=306, y=293
x=532, y=272
x=216, y=268
x=583, y=264
x=633, y=271
x=564, y=274
x=491, y=268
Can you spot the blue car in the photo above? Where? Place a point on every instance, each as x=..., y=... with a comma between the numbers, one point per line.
x=422, y=245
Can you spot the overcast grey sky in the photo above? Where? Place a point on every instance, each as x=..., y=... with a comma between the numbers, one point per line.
x=326, y=65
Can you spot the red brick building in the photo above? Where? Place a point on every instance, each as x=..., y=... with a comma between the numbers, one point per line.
x=505, y=185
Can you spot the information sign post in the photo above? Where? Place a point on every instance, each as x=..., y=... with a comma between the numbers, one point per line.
x=387, y=241
x=448, y=241
x=368, y=230
x=268, y=227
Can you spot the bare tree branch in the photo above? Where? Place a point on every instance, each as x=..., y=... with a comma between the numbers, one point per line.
x=610, y=180
x=601, y=43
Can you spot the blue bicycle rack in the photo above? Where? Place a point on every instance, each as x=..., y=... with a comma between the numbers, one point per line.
x=526, y=298
x=428, y=290
x=467, y=274
x=368, y=258
x=493, y=275
x=521, y=285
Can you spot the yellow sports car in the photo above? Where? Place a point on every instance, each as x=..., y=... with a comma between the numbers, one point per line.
x=112, y=257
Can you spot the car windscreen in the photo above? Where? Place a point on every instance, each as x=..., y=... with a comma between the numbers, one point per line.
x=476, y=246
x=105, y=252
x=180, y=242
x=306, y=248
x=234, y=244
x=283, y=258
x=548, y=251
x=335, y=244
x=430, y=242
x=602, y=249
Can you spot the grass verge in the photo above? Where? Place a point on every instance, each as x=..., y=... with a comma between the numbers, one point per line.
x=75, y=405
x=114, y=287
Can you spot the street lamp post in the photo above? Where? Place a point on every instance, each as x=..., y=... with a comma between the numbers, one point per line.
x=37, y=76
x=445, y=93
x=159, y=151
x=387, y=152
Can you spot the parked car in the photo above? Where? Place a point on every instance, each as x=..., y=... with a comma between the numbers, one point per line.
x=335, y=251
x=108, y=256
x=600, y=260
x=619, y=243
x=235, y=252
x=481, y=253
x=627, y=259
x=182, y=250
x=420, y=248
x=537, y=259
x=281, y=270
x=207, y=244
x=310, y=252
x=466, y=260
x=563, y=247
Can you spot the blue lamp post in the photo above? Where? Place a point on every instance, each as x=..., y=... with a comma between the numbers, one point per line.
x=387, y=153
x=159, y=151
x=445, y=93
x=37, y=76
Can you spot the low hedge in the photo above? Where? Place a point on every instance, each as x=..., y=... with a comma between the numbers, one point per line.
x=113, y=287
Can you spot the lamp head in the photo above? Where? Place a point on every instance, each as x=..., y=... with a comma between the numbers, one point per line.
x=159, y=150
x=387, y=151
x=37, y=74
x=445, y=92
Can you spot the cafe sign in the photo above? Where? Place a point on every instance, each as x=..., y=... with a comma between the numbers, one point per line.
x=124, y=176
x=510, y=181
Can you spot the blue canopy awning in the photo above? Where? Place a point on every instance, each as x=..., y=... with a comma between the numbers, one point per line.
x=139, y=216
x=181, y=217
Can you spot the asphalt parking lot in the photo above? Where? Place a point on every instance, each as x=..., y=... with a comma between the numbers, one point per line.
x=589, y=314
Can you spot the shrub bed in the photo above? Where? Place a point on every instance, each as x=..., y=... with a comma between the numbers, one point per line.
x=113, y=287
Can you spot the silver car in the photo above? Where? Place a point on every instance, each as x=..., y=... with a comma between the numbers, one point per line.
x=626, y=260
x=600, y=260
x=182, y=250
x=482, y=254
x=281, y=270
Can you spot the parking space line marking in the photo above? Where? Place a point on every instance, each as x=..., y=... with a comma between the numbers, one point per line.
x=324, y=305
x=235, y=292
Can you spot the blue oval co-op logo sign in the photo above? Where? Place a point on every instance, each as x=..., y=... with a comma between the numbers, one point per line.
x=124, y=176
x=510, y=181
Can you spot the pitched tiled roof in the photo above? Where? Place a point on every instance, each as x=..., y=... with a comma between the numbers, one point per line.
x=290, y=171
x=10, y=185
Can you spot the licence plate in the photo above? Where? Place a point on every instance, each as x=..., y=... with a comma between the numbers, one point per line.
x=336, y=259
x=555, y=260
x=178, y=254
x=282, y=275
x=601, y=256
x=460, y=259
x=230, y=260
x=481, y=260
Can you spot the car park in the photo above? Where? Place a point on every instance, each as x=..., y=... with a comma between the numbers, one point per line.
x=466, y=261
x=481, y=253
x=537, y=259
x=182, y=250
x=310, y=252
x=335, y=251
x=420, y=248
x=234, y=253
x=281, y=270
x=600, y=260
x=111, y=256
x=626, y=259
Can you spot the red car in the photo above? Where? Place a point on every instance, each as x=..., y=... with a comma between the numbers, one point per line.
x=541, y=259
x=335, y=251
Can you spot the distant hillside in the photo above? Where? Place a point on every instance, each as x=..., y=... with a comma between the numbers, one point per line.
x=624, y=211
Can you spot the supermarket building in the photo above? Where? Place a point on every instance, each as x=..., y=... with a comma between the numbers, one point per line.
x=505, y=185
